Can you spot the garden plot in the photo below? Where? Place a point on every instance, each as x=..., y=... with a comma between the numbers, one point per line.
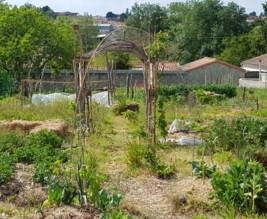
x=149, y=181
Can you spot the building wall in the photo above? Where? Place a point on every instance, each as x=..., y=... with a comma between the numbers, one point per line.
x=214, y=73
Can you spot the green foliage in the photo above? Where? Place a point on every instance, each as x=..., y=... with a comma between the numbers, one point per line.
x=240, y=135
x=246, y=46
x=106, y=201
x=7, y=84
x=138, y=153
x=30, y=40
x=60, y=191
x=195, y=35
x=40, y=147
x=43, y=171
x=202, y=170
x=242, y=188
x=121, y=59
x=88, y=31
x=6, y=167
x=206, y=97
x=10, y=142
x=148, y=17
x=130, y=115
x=89, y=181
x=135, y=154
x=115, y=215
x=162, y=124
x=44, y=138
x=227, y=90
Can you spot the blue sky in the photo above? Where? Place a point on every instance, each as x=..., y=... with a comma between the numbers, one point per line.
x=101, y=7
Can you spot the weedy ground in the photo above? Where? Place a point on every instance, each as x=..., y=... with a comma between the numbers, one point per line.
x=145, y=195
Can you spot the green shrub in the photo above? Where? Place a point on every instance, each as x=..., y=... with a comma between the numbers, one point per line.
x=183, y=90
x=238, y=135
x=44, y=138
x=162, y=124
x=43, y=171
x=207, y=97
x=6, y=167
x=202, y=170
x=163, y=170
x=7, y=84
x=60, y=191
x=135, y=154
x=11, y=141
x=130, y=115
x=242, y=188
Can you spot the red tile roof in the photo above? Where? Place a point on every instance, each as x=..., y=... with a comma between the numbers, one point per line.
x=204, y=62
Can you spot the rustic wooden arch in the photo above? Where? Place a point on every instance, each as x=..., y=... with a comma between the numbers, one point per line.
x=124, y=39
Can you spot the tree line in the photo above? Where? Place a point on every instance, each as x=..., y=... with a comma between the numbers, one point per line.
x=33, y=38
x=195, y=29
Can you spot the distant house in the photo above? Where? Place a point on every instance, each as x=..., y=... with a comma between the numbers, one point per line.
x=256, y=64
x=210, y=71
x=251, y=19
x=100, y=20
x=256, y=72
x=104, y=30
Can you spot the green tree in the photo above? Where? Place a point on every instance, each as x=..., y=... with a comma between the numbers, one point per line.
x=111, y=15
x=29, y=41
x=198, y=27
x=88, y=32
x=148, y=17
x=238, y=49
x=122, y=60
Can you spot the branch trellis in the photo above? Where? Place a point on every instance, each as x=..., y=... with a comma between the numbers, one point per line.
x=123, y=39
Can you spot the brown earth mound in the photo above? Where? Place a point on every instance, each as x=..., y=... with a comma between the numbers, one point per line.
x=70, y=212
x=21, y=190
x=60, y=127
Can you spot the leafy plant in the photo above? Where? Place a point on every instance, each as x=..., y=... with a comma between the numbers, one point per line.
x=163, y=170
x=43, y=171
x=130, y=115
x=205, y=97
x=60, y=191
x=162, y=124
x=183, y=90
x=10, y=141
x=237, y=135
x=202, y=170
x=6, y=167
x=106, y=201
x=242, y=188
x=135, y=154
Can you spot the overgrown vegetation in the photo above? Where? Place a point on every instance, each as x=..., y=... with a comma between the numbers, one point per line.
x=227, y=90
x=241, y=190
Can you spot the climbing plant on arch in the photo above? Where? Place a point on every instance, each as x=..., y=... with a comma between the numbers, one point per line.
x=123, y=39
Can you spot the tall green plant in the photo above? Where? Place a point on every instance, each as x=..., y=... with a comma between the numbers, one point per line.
x=162, y=124
x=242, y=188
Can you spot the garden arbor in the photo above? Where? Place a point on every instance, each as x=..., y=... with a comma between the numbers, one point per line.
x=123, y=39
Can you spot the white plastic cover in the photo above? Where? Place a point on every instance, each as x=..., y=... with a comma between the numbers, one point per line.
x=101, y=98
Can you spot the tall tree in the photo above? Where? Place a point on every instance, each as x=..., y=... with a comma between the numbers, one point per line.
x=88, y=32
x=149, y=17
x=29, y=40
x=246, y=46
x=198, y=27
